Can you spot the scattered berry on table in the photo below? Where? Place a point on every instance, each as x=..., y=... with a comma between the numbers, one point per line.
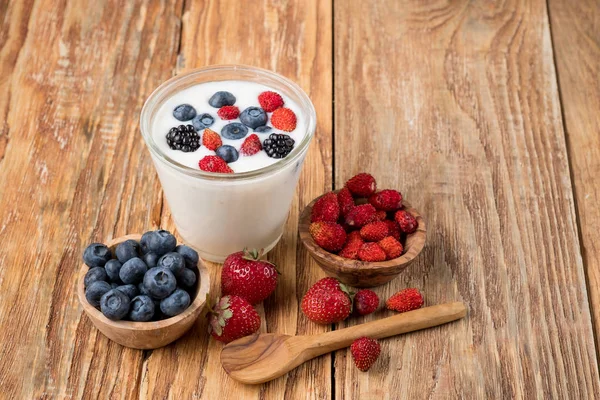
x=283, y=119
x=405, y=300
x=186, y=278
x=114, y=304
x=228, y=153
x=203, y=121
x=172, y=261
x=184, y=112
x=211, y=139
x=386, y=200
x=251, y=145
x=220, y=99
x=374, y=231
x=214, y=164
x=159, y=282
x=353, y=243
x=234, y=131
x=93, y=275
x=112, y=268
x=228, y=112
x=151, y=259
x=95, y=291
x=326, y=208
x=391, y=246
x=189, y=255
x=245, y=275
x=327, y=302
x=393, y=229
x=175, y=303
x=361, y=215
x=365, y=352
x=262, y=129
x=345, y=200
x=130, y=290
x=278, y=145
x=371, y=252
x=253, y=117
x=365, y=301
x=127, y=250
x=159, y=242
x=362, y=185
x=141, y=309
x=406, y=221
x=328, y=235
x=96, y=255
x=133, y=271
x=183, y=138
x=233, y=317
x=270, y=101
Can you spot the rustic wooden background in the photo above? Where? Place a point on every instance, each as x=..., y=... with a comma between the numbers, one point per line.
x=484, y=113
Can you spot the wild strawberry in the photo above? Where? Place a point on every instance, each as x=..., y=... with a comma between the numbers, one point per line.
x=374, y=231
x=270, y=101
x=386, y=200
x=381, y=215
x=405, y=300
x=365, y=301
x=365, y=351
x=329, y=235
x=361, y=215
x=326, y=208
x=245, y=275
x=345, y=201
x=371, y=252
x=408, y=223
x=284, y=119
x=228, y=112
x=232, y=318
x=350, y=249
x=327, y=302
x=211, y=139
x=391, y=247
x=393, y=229
x=362, y=185
x=251, y=145
x=214, y=164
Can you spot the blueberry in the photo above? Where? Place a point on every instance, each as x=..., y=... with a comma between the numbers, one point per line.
x=95, y=291
x=186, y=278
x=133, y=271
x=184, y=112
x=142, y=309
x=221, y=99
x=234, y=131
x=112, y=268
x=202, y=121
x=130, y=290
x=114, y=285
x=227, y=153
x=114, y=304
x=127, y=250
x=176, y=303
x=142, y=289
x=160, y=242
x=253, y=117
x=93, y=275
x=189, y=255
x=160, y=282
x=144, y=241
x=262, y=129
x=173, y=262
x=150, y=259
x=96, y=255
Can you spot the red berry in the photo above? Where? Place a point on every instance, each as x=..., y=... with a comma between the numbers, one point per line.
x=228, y=112
x=361, y=215
x=350, y=249
x=362, y=185
x=365, y=351
x=327, y=302
x=386, y=200
x=284, y=119
x=329, y=235
x=245, y=275
x=232, y=318
x=366, y=301
x=211, y=139
x=214, y=164
x=405, y=300
x=326, y=208
x=345, y=201
x=270, y=101
x=393, y=229
x=374, y=231
x=406, y=221
x=381, y=215
x=251, y=145
x=371, y=252
x=392, y=247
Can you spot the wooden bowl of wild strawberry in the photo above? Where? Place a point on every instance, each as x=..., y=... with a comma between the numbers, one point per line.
x=362, y=236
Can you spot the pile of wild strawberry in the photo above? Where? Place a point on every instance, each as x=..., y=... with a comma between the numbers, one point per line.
x=371, y=230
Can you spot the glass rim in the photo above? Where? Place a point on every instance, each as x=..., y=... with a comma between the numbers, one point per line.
x=155, y=100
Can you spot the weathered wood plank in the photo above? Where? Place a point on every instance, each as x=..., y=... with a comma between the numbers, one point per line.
x=456, y=104
x=576, y=38
x=292, y=38
x=74, y=77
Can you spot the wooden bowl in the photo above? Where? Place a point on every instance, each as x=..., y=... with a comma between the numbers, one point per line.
x=360, y=273
x=146, y=335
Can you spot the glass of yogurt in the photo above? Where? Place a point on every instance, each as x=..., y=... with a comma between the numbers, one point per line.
x=221, y=213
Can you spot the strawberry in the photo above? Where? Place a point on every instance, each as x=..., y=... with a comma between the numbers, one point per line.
x=245, y=275
x=214, y=164
x=362, y=185
x=284, y=119
x=345, y=201
x=393, y=229
x=381, y=215
x=251, y=145
x=386, y=200
x=374, y=231
x=353, y=243
x=329, y=235
x=326, y=208
x=392, y=247
x=270, y=101
x=228, y=112
x=365, y=302
x=327, y=302
x=361, y=215
x=232, y=318
x=211, y=139
x=405, y=300
x=371, y=252
x=365, y=352
x=406, y=221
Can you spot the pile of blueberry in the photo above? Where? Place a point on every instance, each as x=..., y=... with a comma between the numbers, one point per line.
x=147, y=281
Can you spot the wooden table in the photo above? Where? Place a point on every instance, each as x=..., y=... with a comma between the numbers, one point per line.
x=484, y=113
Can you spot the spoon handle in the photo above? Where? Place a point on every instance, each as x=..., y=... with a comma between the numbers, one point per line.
x=386, y=327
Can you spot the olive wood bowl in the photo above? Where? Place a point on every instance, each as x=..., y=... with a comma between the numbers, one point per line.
x=151, y=334
x=360, y=273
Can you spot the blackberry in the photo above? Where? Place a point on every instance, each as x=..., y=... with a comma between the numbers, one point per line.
x=184, y=138
x=278, y=145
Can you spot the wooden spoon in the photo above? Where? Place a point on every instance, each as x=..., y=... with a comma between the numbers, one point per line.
x=262, y=357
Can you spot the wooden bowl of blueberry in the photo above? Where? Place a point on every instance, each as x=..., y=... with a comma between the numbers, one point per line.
x=142, y=291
